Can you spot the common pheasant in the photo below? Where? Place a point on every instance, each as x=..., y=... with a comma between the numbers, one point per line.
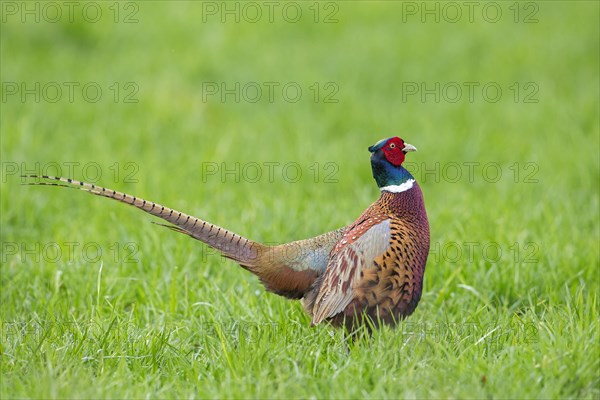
x=369, y=271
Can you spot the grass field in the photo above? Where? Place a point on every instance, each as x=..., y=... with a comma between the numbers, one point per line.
x=258, y=118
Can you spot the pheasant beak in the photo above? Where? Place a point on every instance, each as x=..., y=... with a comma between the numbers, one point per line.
x=408, y=147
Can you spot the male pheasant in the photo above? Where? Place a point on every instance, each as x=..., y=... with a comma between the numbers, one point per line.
x=371, y=270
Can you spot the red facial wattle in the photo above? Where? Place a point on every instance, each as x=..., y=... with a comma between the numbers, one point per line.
x=393, y=151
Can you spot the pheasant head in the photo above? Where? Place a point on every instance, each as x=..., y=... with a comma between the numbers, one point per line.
x=386, y=161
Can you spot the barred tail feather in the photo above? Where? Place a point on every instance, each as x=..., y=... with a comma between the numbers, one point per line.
x=232, y=245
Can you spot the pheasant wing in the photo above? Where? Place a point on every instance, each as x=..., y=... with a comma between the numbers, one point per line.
x=357, y=250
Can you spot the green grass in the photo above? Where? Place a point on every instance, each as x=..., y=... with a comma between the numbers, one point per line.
x=160, y=315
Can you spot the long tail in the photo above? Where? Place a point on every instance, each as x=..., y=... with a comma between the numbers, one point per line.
x=246, y=252
x=288, y=269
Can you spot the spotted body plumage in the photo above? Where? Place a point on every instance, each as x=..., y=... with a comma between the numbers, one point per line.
x=371, y=269
x=389, y=287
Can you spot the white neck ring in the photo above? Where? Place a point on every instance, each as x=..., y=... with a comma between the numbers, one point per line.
x=403, y=187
